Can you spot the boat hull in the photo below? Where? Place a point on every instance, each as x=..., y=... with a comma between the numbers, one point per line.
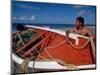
x=58, y=50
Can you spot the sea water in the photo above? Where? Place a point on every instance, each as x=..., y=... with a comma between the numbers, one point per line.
x=62, y=27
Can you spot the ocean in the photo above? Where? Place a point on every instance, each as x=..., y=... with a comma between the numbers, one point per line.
x=62, y=27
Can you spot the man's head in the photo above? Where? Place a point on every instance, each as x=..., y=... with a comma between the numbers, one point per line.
x=79, y=21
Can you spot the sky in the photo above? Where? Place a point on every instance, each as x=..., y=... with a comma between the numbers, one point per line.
x=51, y=13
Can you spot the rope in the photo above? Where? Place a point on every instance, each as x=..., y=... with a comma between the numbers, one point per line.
x=57, y=44
x=69, y=66
x=24, y=65
x=40, y=55
x=81, y=47
x=15, y=68
x=93, y=46
x=21, y=39
x=33, y=66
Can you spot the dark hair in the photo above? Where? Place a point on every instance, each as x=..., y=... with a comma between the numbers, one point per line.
x=21, y=27
x=81, y=19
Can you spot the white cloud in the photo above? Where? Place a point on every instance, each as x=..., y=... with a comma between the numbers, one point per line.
x=32, y=18
x=82, y=12
x=90, y=14
x=26, y=18
x=23, y=18
x=85, y=12
x=27, y=7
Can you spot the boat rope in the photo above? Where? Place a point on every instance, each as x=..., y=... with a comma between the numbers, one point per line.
x=21, y=39
x=69, y=66
x=15, y=68
x=59, y=44
x=24, y=65
x=81, y=47
x=93, y=46
x=39, y=54
x=33, y=67
x=59, y=61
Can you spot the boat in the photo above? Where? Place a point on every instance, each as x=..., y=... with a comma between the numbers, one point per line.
x=49, y=50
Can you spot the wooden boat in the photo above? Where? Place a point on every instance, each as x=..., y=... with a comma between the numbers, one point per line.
x=49, y=50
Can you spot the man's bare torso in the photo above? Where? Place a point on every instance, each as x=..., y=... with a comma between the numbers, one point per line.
x=83, y=31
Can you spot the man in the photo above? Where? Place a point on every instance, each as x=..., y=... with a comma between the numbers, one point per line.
x=80, y=28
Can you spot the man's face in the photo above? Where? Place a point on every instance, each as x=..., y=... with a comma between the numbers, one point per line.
x=78, y=23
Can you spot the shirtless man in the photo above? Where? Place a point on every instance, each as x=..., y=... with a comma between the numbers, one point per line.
x=80, y=29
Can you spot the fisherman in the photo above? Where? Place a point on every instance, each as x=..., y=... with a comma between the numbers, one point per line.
x=80, y=29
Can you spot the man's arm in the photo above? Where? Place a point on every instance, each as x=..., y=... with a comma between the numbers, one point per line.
x=92, y=38
x=90, y=33
x=67, y=33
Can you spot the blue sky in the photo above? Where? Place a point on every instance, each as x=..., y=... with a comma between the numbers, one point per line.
x=51, y=13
